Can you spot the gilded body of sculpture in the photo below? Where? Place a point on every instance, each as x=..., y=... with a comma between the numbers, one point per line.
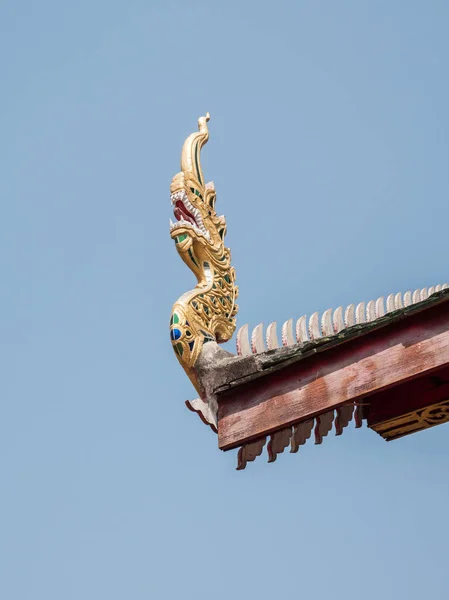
x=206, y=313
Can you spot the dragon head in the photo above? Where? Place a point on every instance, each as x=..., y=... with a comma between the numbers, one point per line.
x=198, y=231
x=208, y=312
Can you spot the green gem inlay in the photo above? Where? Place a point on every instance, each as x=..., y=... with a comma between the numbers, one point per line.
x=196, y=192
x=189, y=251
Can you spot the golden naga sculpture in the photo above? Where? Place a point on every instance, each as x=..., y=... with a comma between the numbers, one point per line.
x=206, y=313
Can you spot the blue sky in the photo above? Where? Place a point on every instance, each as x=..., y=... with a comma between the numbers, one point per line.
x=329, y=150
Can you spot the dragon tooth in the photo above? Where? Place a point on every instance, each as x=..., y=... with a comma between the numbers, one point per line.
x=416, y=296
x=301, y=329
x=407, y=298
x=288, y=339
x=327, y=327
x=370, y=311
x=257, y=343
x=338, y=321
x=380, y=307
x=350, y=316
x=314, y=326
x=271, y=336
x=390, y=303
x=360, y=313
x=398, y=301
x=243, y=345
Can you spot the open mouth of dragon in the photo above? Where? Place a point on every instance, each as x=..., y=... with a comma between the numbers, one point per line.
x=186, y=215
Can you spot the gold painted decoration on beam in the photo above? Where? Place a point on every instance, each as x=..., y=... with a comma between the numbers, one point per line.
x=414, y=421
x=206, y=313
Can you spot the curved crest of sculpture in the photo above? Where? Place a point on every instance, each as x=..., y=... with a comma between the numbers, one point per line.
x=207, y=312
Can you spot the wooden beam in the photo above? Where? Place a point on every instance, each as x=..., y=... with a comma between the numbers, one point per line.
x=347, y=373
x=410, y=407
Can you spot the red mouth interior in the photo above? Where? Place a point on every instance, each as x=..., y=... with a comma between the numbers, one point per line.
x=181, y=212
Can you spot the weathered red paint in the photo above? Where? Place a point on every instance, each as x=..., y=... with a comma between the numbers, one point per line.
x=361, y=367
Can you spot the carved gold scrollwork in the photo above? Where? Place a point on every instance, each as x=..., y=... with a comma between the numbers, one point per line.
x=434, y=415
